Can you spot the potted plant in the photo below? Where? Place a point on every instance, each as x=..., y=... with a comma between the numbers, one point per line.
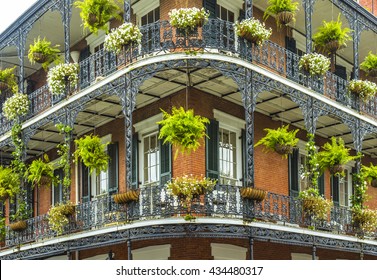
x=92, y=152
x=19, y=222
x=42, y=52
x=252, y=30
x=187, y=19
x=314, y=63
x=369, y=65
x=8, y=79
x=253, y=193
x=366, y=90
x=279, y=140
x=96, y=13
x=187, y=186
x=314, y=205
x=16, y=106
x=364, y=219
x=58, y=216
x=334, y=156
x=331, y=37
x=183, y=129
x=284, y=10
x=122, y=37
x=41, y=172
x=62, y=76
x=369, y=173
x=126, y=197
x=9, y=183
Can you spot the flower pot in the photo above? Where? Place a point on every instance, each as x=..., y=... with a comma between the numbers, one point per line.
x=126, y=197
x=68, y=210
x=18, y=226
x=337, y=168
x=39, y=57
x=249, y=37
x=283, y=149
x=284, y=17
x=253, y=193
x=92, y=19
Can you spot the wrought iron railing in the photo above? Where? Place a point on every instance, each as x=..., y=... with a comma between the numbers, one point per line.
x=215, y=36
x=156, y=203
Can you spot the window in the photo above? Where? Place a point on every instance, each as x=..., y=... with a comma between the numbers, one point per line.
x=146, y=11
x=341, y=188
x=151, y=17
x=228, y=156
x=151, y=159
x=57, y=187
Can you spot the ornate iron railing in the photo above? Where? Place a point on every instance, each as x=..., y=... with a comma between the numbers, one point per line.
x=156, y=203
x=216, y=36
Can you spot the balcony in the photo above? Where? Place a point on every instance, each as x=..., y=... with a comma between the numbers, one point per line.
x=155, y=203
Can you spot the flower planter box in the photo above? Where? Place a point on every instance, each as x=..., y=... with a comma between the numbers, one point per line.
x=253, y=193
x=126, y=197
x=18, y=226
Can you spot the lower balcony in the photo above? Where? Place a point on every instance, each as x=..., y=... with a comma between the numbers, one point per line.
x=155, y=203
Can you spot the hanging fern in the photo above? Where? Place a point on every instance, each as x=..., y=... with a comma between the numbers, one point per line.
x=183, y=129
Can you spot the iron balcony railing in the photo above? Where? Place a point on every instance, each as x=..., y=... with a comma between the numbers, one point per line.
x=216, y=36
x=156, y=203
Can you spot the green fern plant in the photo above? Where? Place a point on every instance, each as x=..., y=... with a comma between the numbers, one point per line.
x=369, y=65
x=96, y=13
x=42, y=52
x=276, y=7
x=329, y=33
x=279, y=140
x=334, y=155
x=92, y=153
x=9, y=79
x=41, y=172
x=369, y=173
x=183, y=129
x=9, y=183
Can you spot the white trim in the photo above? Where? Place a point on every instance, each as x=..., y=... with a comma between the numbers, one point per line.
x=229, y=119
x=94, y=40
x=228, y=252
x=157, y=252
x=234, y=6
x=143, y=7
x=148, y=125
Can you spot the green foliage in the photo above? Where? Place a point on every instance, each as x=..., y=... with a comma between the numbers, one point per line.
x=279, y=136
x=369, y=63
x=365, y=220
x=7, y=76
x=64, y=153
x=22, y=212
x=366, y=90
x=38, y=169
x=334, y=153
x=313, y=170
x=359, y=196
x=252, y=30
x=92, y=153
x=183, y=129
x=278, y=6
x=44, y=47
x=96, y=13
x=331, y=31
x=58, y=216
x=2, y=227
x=314, y=204
x=9, y=183
x=369, y=173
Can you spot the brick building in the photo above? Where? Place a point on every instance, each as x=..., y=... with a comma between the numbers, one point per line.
x=240, y=87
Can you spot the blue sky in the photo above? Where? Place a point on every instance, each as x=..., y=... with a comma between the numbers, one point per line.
x=12, y=10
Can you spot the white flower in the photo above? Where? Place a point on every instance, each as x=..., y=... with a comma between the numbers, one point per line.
x=314, y=63
x=254, y=28
x=58, y=77
x=365, y=89
x=125, y=34
x=188, y=18
x=15, y=106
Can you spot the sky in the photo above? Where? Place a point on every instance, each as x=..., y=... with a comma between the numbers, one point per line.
x=12, y=10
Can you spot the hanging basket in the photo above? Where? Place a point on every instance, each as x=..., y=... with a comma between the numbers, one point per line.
x=372, y=73
x=92, y=19
x=373, y=183
x=3, y=86
x=68, y=210
x=4, y=197
x=337, y=168
x=283, y=149
x=45, y=182
x=40, y=57
x=253, y=193
x=249, y=36
x=332, y=46
x=284, y=17
x=18, y=226
x=126, y=197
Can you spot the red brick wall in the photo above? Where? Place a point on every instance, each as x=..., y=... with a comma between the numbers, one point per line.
x=369, y=5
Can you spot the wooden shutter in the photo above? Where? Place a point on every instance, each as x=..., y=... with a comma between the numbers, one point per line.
x=165, y=162
x=321, y=184
x=112, y=151
x=58, y=188
x=211, y=6
x=85, y=183
x=135, y=162
x=290, y=45
x=242, y=15
x=244, y=157
x=293, y=173
x=84, y=68
x=335, y=189
x=212, y=150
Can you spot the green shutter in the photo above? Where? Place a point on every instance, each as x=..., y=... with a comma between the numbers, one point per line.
x=321, y=184
x=335, y=189
x=165, y=163
x=135, y=161
x=211, y=6
x=293, y=173
x=244, y=157
x=84, y=67
x=212, y=150
x=85, y=183
x=112, y=151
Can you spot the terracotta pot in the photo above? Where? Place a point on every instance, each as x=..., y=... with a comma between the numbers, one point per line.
x=283, y=149
x=126, y=197
x=18, y=226
x=284, y=17
x=253, y=193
